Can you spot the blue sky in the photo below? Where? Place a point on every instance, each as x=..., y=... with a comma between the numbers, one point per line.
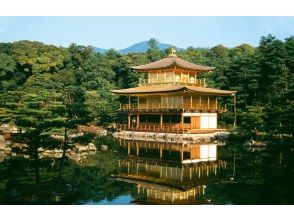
x=121, y=32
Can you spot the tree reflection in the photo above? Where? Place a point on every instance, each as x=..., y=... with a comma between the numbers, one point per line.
x=78, y=182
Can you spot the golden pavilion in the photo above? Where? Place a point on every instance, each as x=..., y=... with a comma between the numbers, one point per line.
x=172, y=99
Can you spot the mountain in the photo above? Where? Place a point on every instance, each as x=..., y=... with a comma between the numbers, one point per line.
x=143, y=47
x=99, y=50
x=139, y=47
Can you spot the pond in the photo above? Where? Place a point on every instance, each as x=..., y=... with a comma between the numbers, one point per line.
x=149, y=172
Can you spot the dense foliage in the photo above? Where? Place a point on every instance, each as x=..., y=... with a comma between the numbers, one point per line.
x=263, y=77
x=47, y=90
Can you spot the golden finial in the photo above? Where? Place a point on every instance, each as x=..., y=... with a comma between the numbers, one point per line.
x=173, y=51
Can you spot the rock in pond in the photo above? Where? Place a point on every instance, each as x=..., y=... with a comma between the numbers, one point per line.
x=103, y=147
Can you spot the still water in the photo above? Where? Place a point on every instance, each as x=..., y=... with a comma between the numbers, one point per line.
x=148, y=172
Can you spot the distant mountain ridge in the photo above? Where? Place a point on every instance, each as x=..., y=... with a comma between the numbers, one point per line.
x=140, y=47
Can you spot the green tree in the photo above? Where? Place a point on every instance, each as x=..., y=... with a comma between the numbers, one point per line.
x=7, y=66
x=79, y=54
x=74, y=112
x=37, y=58
x=153, y=53
x=252, y=120
x=35, y=119
x=271, y=59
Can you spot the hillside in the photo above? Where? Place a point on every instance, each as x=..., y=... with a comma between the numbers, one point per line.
x=138, y=47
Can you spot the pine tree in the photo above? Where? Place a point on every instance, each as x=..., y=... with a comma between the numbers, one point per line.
x=35, y=118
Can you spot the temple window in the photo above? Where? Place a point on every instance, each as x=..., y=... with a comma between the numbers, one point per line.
x=169, y=77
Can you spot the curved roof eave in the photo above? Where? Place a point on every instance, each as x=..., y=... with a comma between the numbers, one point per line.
x=172, y=88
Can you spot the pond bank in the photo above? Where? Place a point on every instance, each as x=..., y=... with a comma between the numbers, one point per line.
x=172, y=137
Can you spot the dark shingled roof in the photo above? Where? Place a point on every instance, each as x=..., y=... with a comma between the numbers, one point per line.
x=171, y=88
x=172, y=60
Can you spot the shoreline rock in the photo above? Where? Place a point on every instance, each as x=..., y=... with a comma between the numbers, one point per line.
x=253, y=145
x=172, y=137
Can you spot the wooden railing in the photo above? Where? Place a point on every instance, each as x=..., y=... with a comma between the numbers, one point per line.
x=197, y=82
x=172, y=128
x=186, y=106
x=156, y=127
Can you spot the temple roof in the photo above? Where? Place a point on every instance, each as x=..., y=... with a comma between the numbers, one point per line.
x=172, y=60
x=171, y=88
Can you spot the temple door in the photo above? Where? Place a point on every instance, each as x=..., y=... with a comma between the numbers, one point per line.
x=195, y=122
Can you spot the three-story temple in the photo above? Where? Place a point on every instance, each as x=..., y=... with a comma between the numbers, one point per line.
x=172, y=98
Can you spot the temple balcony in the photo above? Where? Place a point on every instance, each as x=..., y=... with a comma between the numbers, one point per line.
x=186, y=107
x=183, y=81
x=168, y=127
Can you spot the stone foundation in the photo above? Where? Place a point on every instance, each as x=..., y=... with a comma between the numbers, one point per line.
x=171, y=137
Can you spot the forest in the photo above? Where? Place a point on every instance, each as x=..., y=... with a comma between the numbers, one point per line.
x=48, y=91
x=45, y=88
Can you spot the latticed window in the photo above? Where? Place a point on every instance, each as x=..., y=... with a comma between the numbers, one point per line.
x=169, y=77
x=192, y=79
x=177, y=77
x=161, y=78
x=185, y=78
x=153, y=78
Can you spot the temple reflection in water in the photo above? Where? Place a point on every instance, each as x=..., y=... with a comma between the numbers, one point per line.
x=169, y=173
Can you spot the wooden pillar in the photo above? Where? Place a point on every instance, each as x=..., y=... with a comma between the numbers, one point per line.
x=165, y=171
x=182, y=173
x=200, y=101
x=157, y=77
x=137, y=153
x=183, y=101
x=129, y=120
x=174, y=76
x=129, y=148
x=160, y=152
x=128, y=166
x=182, y=154
x=182, y=120
x=203, y=189
x=216, y=103
x=191, y=101
x=138, y=120
x=137, y=168
x=164, y=80
x=161, y=121
x=208, y=102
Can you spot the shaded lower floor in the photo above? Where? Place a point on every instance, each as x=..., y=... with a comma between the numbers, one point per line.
x=172, y=122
